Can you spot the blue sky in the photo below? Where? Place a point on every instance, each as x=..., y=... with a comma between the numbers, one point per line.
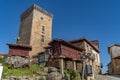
x=73, y=19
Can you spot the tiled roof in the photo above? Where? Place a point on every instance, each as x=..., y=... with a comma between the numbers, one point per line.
x=20, y=45
x=68, y=44
x=84, y=39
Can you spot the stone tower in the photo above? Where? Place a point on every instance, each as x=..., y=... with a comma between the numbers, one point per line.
x=35, y=29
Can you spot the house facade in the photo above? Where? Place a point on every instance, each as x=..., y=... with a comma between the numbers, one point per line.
x=91, y=47
x=114, y=51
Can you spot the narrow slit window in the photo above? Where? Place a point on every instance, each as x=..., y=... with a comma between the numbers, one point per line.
x=42, y=38
x=43, y=28
x=41, y=18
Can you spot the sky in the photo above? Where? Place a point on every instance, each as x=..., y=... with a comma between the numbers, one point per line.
x=72, y=19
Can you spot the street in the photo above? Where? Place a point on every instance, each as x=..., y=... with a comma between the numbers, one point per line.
x=106, y=77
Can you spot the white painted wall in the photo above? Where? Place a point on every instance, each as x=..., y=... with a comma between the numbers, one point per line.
x=1, y=69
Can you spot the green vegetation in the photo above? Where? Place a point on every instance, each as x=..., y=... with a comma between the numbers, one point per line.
x=32, y=71
x=2, y=61
x=21, y=71
x=73, y=74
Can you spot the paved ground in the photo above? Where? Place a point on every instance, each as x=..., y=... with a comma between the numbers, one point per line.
x=106, y=77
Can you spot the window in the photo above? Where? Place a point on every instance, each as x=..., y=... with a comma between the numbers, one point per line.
x=42, y=38
x=41, y=18
x=41, y=58
x=47, y=51
x=43, y=28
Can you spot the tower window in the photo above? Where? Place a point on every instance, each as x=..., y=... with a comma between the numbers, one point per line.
x=43, y=28
x=42, y=38
x=41, y=18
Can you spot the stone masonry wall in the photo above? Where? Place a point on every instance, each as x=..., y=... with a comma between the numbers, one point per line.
x=39, y=20
x=25, y=30
x=31, y=29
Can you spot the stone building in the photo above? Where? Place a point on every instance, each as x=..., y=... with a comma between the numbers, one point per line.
x=35, y=29
x=71, y=53
x=114, y=66
x=110, y=71
x=91, y=47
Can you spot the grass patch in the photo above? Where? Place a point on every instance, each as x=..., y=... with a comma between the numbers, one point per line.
x=21, y=71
